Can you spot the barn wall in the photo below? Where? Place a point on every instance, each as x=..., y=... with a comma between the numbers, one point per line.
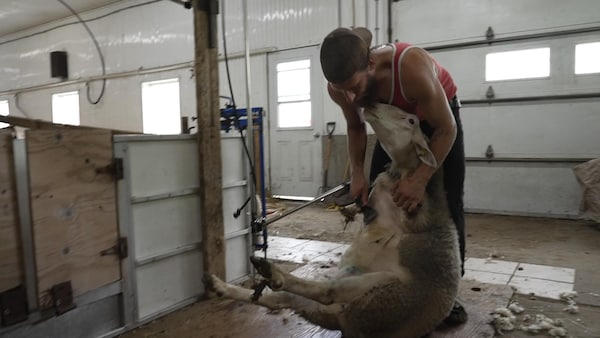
x=152, y=40
x=537, y=133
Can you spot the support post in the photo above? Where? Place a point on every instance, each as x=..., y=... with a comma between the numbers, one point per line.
x=209, y=137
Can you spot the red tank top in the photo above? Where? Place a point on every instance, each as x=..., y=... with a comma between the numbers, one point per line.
x=398, y=98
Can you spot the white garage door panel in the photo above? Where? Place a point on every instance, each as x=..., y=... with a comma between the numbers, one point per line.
x=159, y=211
x=522, y=190
x=467, y=67
x=234, y=198
x=467, y=20
x=163, y=166
x=233, y=161
x=164, y=225
x=538, y=130
x=236, y=253
x=168, y=282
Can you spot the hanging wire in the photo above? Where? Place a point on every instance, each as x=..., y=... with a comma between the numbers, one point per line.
x=87, y=28
x=249, y=114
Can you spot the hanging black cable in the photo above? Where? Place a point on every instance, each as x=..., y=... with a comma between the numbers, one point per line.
x=87, y=28
x=249, y=114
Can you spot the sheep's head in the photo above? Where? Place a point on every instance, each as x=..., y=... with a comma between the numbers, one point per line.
x=400, y=136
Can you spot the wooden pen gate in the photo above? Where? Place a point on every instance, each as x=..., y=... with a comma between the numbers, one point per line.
x=101, y=233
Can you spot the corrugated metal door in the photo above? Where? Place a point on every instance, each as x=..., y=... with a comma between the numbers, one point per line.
x=159, y=213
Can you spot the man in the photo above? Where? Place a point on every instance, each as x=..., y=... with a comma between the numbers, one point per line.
x=409, y=78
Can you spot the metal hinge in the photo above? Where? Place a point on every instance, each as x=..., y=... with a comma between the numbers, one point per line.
x=62, y=297
x=115, y=169
x=13, y=306
x=120, y=249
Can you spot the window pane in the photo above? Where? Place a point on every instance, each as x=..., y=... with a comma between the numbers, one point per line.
x=160, y=107
x=294, y=115
x=300, y=64
x=587, y=58
x=519, y=64
x=293, y=85
x=65, y=108
x=293, y=94
x=3, y=112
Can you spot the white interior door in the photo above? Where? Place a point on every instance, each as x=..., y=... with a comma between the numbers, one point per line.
x=296, y=122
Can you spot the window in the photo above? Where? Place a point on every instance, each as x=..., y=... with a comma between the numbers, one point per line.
x=293, y=94
x=65, y=108
x=3, y=112
x=160, y=107
x=587, y=58
x=518, y=64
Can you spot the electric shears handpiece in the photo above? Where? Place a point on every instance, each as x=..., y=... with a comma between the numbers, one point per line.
x=369, y=214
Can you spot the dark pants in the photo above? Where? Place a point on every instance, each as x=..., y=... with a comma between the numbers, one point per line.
x=454, y=174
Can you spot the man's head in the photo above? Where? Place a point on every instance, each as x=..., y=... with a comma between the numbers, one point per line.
x=344, y=52
x=345, y=59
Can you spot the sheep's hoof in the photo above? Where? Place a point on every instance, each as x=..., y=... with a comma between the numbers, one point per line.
x=214, y=284
x=457, y=316
x=262, y=266
x=268, y=271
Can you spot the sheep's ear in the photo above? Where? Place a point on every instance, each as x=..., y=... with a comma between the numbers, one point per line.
x=422, y=148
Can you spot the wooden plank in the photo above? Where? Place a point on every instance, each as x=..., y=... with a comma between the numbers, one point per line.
x=209, y=139
x=73, y=209
x=11, y=259
x=41, y=124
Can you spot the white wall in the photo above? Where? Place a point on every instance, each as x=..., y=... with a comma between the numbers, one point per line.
x=468, y=20
x=142, y=35
x=145, y=35
x=132, y=35
x=541, y=140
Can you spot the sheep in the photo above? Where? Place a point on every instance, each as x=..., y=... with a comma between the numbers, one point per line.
x=400, y=276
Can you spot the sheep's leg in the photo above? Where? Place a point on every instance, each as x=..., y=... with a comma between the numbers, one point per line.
x=326, y=316
x=341, y=290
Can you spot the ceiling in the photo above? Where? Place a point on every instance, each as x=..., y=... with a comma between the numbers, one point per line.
x=17, y=15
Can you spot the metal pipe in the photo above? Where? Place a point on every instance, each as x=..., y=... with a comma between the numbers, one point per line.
x=300, y=207
x=263, y=190
x=389, y=23
x=177, y=66
x=532, y=98
x=26, y=223
x=376, y=22
x=100, y=77
x=249, y=137
x=339, y=13
x=367, y=14
x=528, y=160
x=513, y=38
x=353, y=13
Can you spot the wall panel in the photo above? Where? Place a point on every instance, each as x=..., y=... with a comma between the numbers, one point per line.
x=468, y=20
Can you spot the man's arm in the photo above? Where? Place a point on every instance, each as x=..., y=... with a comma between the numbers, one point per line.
x=357, y=142
x=421, y=84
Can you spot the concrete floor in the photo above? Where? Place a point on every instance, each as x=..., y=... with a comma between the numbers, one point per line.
x=537, y=257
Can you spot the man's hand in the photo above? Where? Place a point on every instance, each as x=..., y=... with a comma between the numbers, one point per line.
x=359, y=188
x=408, y=193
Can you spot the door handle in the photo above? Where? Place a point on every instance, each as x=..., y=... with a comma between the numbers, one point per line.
x=317, y=135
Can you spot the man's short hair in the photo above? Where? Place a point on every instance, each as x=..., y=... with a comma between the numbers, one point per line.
x=344, y=52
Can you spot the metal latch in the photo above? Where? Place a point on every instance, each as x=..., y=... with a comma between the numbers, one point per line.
x=115, y=169
x=62, y=296
x=13, y=305
x=120, y=249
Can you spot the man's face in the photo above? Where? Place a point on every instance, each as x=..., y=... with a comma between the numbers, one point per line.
x=360, y=89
